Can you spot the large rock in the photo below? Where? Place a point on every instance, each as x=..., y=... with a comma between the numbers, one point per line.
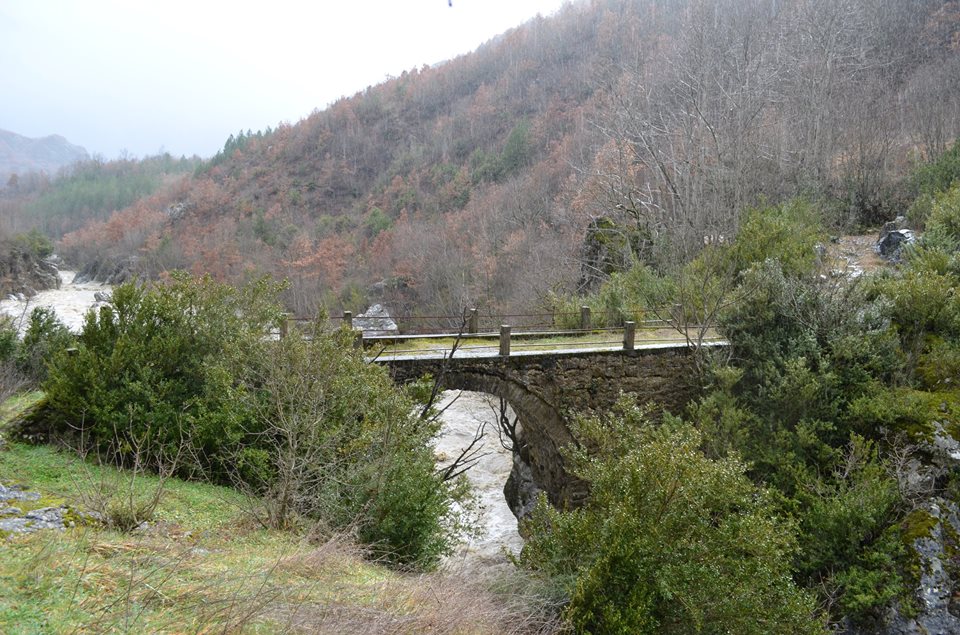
x=933, y=529
x=112, y=271
x=938, y=524
x=521, y=489
x=376, y=321
x=894, y=236
x=22, y=272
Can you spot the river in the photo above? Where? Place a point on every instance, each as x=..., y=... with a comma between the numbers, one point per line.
x=71, y=302
x=465, y=413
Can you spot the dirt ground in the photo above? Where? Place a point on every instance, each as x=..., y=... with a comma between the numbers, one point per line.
x=854, y=255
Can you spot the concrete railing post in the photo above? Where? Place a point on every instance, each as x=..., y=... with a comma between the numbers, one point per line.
x=348, y=319
x=585, y=318
x=504, y=340
x=629, y=335
x=473, y=324
x=285, y=325
x=358, y=339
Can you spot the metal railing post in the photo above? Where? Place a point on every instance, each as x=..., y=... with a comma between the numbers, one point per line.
x=585, y=318
x=348, y=319
x=473, y=325
x=504, y=340
x=629, y=335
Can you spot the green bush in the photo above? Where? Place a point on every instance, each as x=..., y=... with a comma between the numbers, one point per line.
x=185, y=369
x=939, y=366
x=45, y=336
x=630, y=295
x=930, y=179
x=788, y=234
x=9, y=342
x=339, y=443
x=35, y=242
x=160, y=363
x=923, y=303
x=669, y=541
x=944, y=217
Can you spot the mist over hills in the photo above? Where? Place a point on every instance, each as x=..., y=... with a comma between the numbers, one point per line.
x=20, y=155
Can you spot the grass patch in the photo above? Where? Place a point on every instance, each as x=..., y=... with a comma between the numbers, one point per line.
x=202, y=566
x=18, y=404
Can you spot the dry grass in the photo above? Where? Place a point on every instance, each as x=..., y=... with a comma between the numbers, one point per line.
x=439, y=604
x=203, y=568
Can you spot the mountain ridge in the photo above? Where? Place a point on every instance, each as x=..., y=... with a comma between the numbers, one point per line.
x=20, y=154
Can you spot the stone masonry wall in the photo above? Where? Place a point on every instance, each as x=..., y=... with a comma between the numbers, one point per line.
x=546, y=390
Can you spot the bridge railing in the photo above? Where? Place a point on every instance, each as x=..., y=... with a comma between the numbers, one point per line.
x=504, y=333
x=474, y=321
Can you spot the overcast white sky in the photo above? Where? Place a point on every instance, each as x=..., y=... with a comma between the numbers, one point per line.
x=181, y=75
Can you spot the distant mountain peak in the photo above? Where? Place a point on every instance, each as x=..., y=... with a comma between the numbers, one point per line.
x=20, y=154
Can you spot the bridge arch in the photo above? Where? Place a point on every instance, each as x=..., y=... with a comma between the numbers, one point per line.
x=544, y=389
x=543, y=433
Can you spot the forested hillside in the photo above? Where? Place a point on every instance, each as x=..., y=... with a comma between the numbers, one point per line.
x=651, y=123
x=85, y=192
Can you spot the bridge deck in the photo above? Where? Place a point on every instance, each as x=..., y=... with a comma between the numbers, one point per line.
x=492, y=351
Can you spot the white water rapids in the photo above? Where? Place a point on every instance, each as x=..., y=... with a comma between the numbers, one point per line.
x=71, y=302
x=460, y=421
x=497, y=524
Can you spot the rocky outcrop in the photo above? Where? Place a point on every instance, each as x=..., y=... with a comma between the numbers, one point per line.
x=607, y=248
x=15, y=520
x=23, y=273
x=932, y=532
x=112, y=271
x=936, y=547
x=521, y=489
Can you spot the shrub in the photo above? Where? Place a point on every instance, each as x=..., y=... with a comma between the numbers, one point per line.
x=669, y=541
x=338, y=443
x=930, y=179
x=44, y=337
x=185, y=369
x=35, y=242
x=944, y=218
x=160, y=362
x=788, y=234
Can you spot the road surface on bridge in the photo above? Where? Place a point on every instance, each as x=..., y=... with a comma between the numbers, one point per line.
x=526, y=349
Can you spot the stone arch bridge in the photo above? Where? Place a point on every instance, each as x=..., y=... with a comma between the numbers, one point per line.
x=546, y=389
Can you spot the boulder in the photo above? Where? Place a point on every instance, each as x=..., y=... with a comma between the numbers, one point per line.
x=376, y=321
x=23, y=272
x=521, y=490
x=894, y=236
